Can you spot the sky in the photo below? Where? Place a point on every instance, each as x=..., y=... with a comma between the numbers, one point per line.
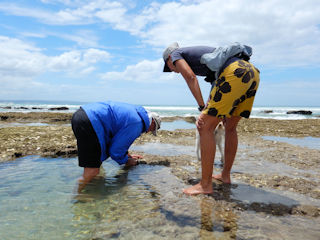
x=96, y=50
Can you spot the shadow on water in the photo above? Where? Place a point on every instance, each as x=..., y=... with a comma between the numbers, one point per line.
x=251, y=198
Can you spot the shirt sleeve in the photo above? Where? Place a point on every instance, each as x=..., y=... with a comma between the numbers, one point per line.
x=176, y=55
x=122, y=141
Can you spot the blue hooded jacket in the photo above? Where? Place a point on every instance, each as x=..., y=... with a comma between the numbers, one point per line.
x=117, y=125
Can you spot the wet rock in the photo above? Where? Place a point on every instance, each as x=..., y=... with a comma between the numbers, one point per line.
x=302, y=112
x=308, y=210
x=58, y=108
x=66, y=153
x=17, y=154
x=6, y=107
x=3, y=118
x=154, y=163
x=276, y=209
x=267, y=111
x=32, y=117
x=58, y=140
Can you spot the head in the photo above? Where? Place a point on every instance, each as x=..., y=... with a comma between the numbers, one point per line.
x=168, y=65
x=155, y=122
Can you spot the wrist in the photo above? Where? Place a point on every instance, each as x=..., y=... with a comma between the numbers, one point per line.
x=200, y=108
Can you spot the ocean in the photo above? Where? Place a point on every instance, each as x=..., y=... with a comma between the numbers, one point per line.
x=273, y=112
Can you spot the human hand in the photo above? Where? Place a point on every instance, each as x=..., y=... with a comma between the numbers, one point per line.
x=200, y=121
x=131, y=162
x=136, y=156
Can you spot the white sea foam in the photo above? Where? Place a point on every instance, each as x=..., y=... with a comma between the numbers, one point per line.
x=163, y=110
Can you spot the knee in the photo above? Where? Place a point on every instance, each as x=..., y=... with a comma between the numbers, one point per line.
x=206, y=128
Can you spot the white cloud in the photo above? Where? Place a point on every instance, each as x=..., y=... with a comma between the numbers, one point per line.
x=83, y=38
x=144, y=71
x=76, y=60
x=21, y=60
x=76, y=13
x=282, y=33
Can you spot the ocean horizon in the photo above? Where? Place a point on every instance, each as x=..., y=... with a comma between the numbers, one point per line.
x=272, y=112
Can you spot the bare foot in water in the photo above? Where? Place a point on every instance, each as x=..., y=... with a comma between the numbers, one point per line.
x=220, y=178
x=197, y=189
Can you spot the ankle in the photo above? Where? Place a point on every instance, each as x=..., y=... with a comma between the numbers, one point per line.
x=225, y=174
x=206, y=184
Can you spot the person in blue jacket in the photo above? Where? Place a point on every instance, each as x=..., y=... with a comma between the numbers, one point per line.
x=107, y=129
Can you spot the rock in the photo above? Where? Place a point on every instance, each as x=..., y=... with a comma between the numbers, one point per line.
x=302, y=112
x=7, y=107
x=17, y=154
x=3, y=118
x=267, y=111
x=59, y=108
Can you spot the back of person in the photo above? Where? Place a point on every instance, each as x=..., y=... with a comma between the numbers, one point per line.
x=112, y=116
x=192, y=56
x=110, y=119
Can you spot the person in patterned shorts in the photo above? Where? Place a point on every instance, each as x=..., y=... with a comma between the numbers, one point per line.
x=231, y=98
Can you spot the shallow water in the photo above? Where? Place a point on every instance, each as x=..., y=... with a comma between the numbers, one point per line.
x=164, y=149
x=178, y=124
x=38, y=201
x=309, y=142
x=3, y=125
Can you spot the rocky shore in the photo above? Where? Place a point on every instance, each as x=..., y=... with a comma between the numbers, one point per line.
x=55, y=139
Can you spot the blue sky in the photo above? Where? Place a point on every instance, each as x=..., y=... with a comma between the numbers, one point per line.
x=81, y=50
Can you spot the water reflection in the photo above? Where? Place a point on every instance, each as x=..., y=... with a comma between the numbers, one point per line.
x=101, y=186
x=144, y=202
x=217, y=222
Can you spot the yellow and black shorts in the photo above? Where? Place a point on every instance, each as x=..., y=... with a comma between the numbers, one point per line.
x=234, y=91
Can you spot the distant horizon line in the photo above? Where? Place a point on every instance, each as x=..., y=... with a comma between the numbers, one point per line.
x=83, y=102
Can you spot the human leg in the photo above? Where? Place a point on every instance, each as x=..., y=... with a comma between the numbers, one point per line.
x=87, y=176
x=233, y=98
x=88, y=146
x=231, y=146
x=208, y=149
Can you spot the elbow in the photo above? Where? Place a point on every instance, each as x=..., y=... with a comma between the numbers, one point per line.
x=191, y=79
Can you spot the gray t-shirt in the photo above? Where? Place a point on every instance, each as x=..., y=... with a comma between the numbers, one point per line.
x=192, y=56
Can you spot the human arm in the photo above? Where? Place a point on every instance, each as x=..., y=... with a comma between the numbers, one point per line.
x=122, y=141
x=87, y=176
x=191, y=79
